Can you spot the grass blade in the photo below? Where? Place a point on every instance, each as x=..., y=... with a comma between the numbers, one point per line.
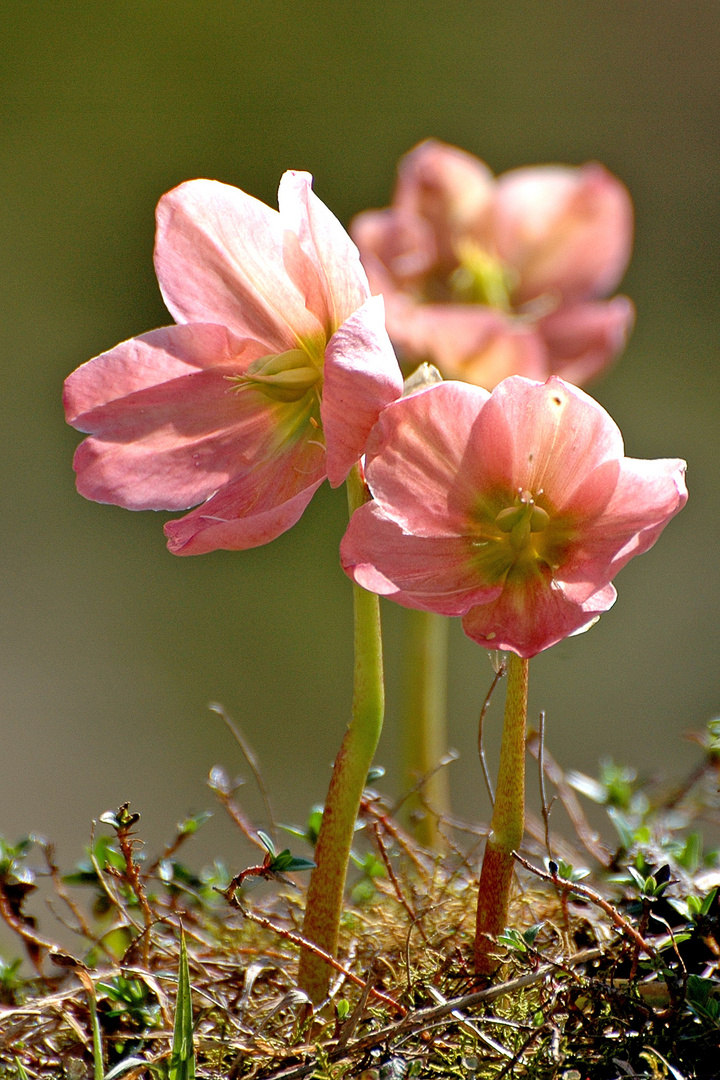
x=182, y=1057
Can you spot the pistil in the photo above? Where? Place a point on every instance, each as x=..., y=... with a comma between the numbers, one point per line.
x=281, y=376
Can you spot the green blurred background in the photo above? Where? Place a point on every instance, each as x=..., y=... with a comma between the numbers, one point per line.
x=111, y=648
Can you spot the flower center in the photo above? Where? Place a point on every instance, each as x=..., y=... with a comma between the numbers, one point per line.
x=281, y=376
x=481, y=278
x=519, y=540
x=521, y=520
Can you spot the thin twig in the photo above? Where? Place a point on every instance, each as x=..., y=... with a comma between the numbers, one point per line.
x=543, y=793
x=349, y=1027
x=468, y=1026
x=132, y=875
x=518, y=1056
x=236, y=814
x=303, y=943
x=401, y=838
x=414, y=917
x=589, y=894
x=115, y=901
x=545, y=809
x=33, y=942
x=586, y=834
x=82, y=927
x=249, y=755
x=501, y=669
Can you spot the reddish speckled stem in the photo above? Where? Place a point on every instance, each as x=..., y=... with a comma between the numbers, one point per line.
x=508, y=821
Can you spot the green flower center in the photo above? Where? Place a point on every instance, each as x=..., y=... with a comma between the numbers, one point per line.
x=481, y=278
x=281, y=376
x=520, y=539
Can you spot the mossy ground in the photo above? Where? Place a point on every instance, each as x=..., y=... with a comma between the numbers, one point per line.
x=607, y=974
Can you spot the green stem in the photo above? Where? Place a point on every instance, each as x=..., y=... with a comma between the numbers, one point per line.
x=332, y=852
x=423, y=722
x=508, y=821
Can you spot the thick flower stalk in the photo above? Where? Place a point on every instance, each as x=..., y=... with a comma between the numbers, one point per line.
x=491, y=277
x=275, y=372
x=352, y=764
x=513, y=510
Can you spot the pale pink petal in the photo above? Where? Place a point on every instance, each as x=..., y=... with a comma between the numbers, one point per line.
x=220, y=257
x=449, y=188
x=543, y=437
x=150, y=359
x=533, y=615
x=414, y=454
x=397, y=249
x=253, y=509
x=565, y=231
x=582, y=340
x=431, y=574
x=170, y=445
x=467, y=341
x=329, y=249
x=360, y=377
x=646, y=496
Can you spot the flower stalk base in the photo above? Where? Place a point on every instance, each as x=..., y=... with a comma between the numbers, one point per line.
x=423, y=736
x=508, y=821
x=332, y=852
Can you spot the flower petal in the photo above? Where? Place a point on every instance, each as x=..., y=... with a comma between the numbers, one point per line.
x=167, y=429
x=398, y=249
x=414, y=454
x=582, y=340
x=361, y=377
x=566, y=231
x=547, y=437
x=530, y=616
x=145, y=361
x=220, y=257
x=466, y=341
x=253, y=509
x=427, y=573
x=449, y=188
x=332, y=254
x=646, y=496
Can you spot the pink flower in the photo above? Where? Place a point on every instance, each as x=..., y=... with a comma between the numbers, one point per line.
x=514, y=510
x=488, y=278
x=274, y=375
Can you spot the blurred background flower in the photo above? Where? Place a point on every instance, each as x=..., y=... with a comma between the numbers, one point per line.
x=110, y=648
x=488, y=278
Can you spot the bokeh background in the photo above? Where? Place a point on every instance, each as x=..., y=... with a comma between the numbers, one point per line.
x=110, y=648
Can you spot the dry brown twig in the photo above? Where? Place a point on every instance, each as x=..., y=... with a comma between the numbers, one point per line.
x=593, y=897
x=303, y=943
x=585, y=833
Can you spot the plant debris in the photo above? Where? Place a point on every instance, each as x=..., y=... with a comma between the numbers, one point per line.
x=610, y=969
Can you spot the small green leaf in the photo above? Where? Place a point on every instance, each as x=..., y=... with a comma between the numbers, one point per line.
x=182, y=1056
x=531, y=933
x=638, y=878
x=285, y=862
x=708, y=901
x=191, y=824
x=513, y=939
x=266, y=842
